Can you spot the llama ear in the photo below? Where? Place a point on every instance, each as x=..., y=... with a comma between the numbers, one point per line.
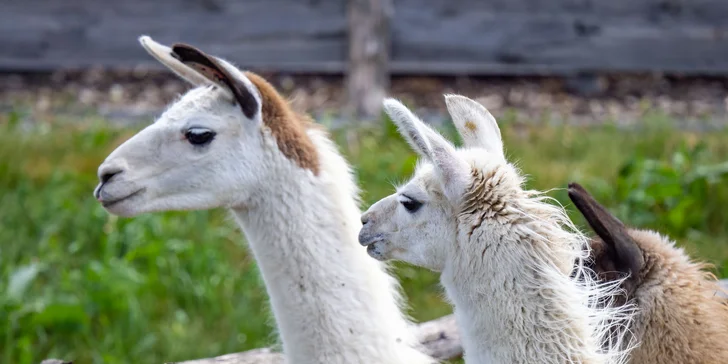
x=221, y=73
x=453, y=171
x=475, y=124
x=199, y=68
x=621, y=251
x=409, y=127
x=164, y=55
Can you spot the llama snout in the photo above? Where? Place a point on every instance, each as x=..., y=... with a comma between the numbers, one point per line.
x=369, y=233
x=374, y=241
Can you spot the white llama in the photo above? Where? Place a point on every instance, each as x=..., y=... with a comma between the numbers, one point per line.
x=234, y=142
x=506, y=257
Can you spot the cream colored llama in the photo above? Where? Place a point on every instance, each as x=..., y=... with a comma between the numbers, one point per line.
x=234, y=142
x=505, y=255
x=681, y=319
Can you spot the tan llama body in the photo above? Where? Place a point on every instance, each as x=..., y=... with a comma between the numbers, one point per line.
x=680, y=317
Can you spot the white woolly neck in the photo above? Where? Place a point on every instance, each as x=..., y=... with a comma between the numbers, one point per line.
x=332, y=302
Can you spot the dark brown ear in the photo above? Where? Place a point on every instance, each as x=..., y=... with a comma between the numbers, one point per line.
x=211, y=68
x=620, y=251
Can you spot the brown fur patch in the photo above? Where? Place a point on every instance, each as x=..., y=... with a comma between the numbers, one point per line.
x=470, y=125
x=681, y=319
x=482, y=199
x=287, y=127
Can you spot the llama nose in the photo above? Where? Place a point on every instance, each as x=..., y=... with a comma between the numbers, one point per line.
x=106, y=175
x=108, y=171
x=364, y=219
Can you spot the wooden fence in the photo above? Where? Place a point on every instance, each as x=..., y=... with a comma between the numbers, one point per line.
x=502, y=37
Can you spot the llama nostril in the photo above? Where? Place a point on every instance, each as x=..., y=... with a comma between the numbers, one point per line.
x=106, y=175
x=364, y=219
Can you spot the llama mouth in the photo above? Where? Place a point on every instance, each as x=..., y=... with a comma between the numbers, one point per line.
x=374, y=252
x=110, y=203
x=368, y=241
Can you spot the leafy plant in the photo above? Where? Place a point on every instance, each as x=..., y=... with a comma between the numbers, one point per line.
x=79, y=284
x=676, y=195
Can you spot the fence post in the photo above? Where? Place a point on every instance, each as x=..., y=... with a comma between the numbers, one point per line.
x=367, y=78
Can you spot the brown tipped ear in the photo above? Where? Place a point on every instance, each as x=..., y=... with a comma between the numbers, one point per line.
x=213, y=70
x=620, y=249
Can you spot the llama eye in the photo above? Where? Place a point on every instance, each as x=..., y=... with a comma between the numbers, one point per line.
x=411, y=205
x=199, y=136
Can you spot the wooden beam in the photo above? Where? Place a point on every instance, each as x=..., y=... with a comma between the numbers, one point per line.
x=367, y=79
x=440, y=339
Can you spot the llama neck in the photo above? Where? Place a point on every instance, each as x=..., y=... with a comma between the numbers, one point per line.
x=513, y=309
x=331, y=301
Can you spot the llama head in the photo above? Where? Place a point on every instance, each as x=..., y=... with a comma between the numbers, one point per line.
x=615, y=253
x=419, y=222
x=211, y=148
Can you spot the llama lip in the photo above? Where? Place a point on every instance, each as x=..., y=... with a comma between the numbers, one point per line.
x=109, y=203
x=368, y=240
x=374, y=252
x=371, y=248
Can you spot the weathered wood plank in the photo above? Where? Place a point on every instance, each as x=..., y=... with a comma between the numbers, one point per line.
x=261, y=34
x=483, y=40
x=428, y=36
x=440, y=339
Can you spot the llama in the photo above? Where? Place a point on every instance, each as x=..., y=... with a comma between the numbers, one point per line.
x=680, y=318
x=505, y=256
x=234, y=142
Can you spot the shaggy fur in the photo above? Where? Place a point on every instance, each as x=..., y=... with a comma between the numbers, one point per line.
x=292, y=193
x=681, y=319
x=506, y=256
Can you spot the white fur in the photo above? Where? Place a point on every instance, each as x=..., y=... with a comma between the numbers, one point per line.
x=505, y=266
x=332, y=303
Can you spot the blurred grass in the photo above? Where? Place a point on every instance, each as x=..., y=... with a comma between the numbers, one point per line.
x=79, y=284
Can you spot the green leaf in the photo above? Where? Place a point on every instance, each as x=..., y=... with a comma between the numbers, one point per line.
x=57, y=314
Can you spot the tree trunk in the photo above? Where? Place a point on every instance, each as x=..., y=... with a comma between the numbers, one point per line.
x=369, y=42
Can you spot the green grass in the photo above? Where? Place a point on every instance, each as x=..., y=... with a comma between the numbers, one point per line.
x=79, y=284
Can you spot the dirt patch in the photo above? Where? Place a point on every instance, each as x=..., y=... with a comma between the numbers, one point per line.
x=139, y=95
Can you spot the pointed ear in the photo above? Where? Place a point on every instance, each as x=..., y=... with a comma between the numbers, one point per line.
x=453, y=171
x=620, y=250
x=475, y=124
x=164, y=55
x=199, y=68
x=409, y=127
x=221, y=73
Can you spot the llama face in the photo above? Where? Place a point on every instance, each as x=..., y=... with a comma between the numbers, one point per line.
x=412, y=225
x=419, y=223
x=203, y=152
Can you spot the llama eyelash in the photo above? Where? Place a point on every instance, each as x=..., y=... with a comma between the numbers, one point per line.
x=410, y=204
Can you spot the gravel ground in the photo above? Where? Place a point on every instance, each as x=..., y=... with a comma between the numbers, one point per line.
x=136, y=96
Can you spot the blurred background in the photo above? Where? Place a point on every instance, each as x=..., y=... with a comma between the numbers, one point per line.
x=626, y=97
